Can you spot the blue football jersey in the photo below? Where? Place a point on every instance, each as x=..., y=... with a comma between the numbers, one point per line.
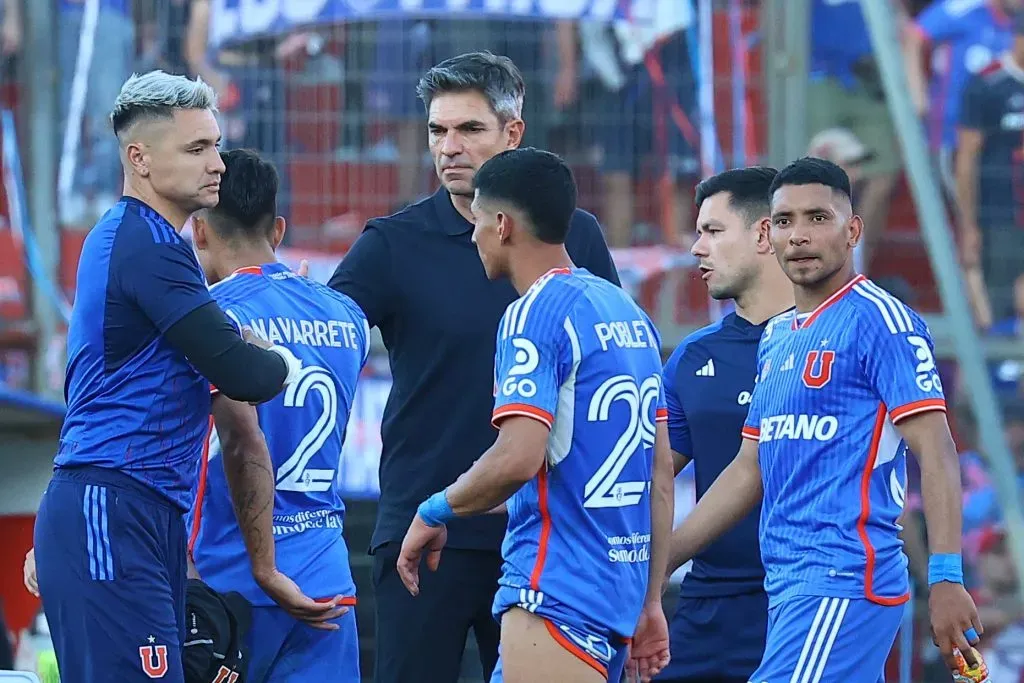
x=577, y=354
x=831, y=386
x=135, y=404
x=304, y=427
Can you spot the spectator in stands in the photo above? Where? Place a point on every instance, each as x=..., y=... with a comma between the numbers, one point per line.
x=981, y=505
x=642, y=112
x=988, y=173
x=250, y=82
x=1001, y=610
x=1008, y=375
x=962, y=38
x=841, y=147
x=94, y=157
x=846, y=90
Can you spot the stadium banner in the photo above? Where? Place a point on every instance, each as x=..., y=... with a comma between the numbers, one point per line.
x=232, y=21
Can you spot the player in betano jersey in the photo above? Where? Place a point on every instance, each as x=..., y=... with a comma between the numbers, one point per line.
x=846, y=383
x=274, y=468
x=582, y=453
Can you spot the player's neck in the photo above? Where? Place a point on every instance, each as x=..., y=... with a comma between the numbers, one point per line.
x=248, y=257
x=462, y=204
x=523, y=272
x=170, y=213
x=809, y=298
x=772, y=295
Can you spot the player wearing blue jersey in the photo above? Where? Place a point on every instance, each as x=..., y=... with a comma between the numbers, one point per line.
x=846, y=383
x=274, y=469
x=708, y=382
x=582, y=454
x=145, y=332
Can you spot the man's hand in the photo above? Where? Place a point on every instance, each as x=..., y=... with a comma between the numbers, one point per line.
x=252, y=338
x=303, y=270
x=292, y=600
x=31, y=583
x=952, y=613
x=418, y=538
x=649, y=652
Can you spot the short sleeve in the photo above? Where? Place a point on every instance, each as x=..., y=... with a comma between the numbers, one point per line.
x=897, y=355
x=163, y=278
x=974, y=106
x=938, y=24
x=678, y=425
x=533, y=351
x=366, y=275
x=752, y=424
x=588, y=248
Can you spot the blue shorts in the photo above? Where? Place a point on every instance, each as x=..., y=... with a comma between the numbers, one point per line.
x=110, y=559
x=604, y=652
x=637, y=123
x=732, y=627
x=287, y=651
x=817, y=639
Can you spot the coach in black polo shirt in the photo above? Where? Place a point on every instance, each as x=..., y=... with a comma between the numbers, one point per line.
x=417, y=276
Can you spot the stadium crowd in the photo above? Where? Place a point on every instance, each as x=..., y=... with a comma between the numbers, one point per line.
x=335, y=109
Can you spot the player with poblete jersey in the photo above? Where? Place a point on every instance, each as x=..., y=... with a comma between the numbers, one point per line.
x=846, y=383
x=582, y=453
x=287, y=542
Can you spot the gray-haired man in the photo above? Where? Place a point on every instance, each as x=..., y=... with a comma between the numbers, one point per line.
x=418, y=278
x=145, y=342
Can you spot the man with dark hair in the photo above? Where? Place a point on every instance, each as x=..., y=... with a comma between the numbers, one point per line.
x=417, y=277
x=579, y=411
x=146, y=339
x=278, y=477
x=708, y=382
x=846, y=384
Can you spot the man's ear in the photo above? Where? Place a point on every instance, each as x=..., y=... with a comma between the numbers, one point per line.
x=855, y=230
x=199, y=230
x=277, y=233
x=764, y=241
x=504, y=227
x=138, y=158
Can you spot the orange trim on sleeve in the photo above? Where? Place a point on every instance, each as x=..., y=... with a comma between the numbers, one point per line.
x=214, y=390
x=661, y=415
x=524, y=409
x=752, y=433
x=915, y=407
x=575, y=649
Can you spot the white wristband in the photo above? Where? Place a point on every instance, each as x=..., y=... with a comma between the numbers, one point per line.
x=290, y=359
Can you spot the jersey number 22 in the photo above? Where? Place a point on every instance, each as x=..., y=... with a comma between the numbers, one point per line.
x=294, y=474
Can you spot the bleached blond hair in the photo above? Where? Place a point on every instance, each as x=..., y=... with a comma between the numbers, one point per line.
x=157, y=95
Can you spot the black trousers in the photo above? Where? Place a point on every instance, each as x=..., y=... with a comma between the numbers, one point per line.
x=422, y=639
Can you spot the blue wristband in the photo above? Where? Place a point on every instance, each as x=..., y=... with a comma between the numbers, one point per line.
x=435, y=511
x=948, y=567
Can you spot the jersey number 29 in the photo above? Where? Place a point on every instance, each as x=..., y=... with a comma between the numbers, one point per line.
x=295, y=474
x=604, y=490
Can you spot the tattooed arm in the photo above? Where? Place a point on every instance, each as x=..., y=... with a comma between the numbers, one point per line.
x=250, y=474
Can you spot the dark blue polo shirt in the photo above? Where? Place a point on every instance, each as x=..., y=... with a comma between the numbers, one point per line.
x=708, y=383
x=418, y=278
